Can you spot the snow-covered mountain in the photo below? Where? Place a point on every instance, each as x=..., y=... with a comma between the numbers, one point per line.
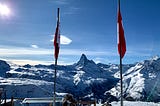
x=84, y=79
x=141, y=82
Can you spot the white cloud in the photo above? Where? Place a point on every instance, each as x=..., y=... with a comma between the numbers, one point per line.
x=34, y=46
x=106, y=60
x=19, y=51
x=13, y=51
x=35, y=62
x=71, y=10
x=64, y=40
x=31, y=62
x=61, y=2
x=87, y=52
x=98, y=60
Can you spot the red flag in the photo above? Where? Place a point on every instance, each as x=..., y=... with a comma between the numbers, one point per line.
x=57, y=39
x=120, y=35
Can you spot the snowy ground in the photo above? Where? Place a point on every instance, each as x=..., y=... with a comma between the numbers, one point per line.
x=128, y=103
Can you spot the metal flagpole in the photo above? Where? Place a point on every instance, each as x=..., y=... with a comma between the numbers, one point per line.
x=55, y=74
x=121, y=77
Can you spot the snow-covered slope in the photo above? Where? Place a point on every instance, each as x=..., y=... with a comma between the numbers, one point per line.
x=132, y=103
x=21, y=87
x=81, y=79
x=141, y=82
x=137, y=103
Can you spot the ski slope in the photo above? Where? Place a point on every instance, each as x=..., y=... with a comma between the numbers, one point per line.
x=129, y=103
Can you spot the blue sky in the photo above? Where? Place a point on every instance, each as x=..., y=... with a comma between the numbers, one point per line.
x=87, y=26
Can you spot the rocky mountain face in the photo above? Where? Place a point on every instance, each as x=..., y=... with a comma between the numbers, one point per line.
x=4, y=67
x=84, y=79
x=141, y=82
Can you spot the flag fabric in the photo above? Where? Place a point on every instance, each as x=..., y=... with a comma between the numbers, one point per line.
x=57, y=40
x=120, y=35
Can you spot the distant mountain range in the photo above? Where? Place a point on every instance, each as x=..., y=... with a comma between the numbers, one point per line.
x=84, y=79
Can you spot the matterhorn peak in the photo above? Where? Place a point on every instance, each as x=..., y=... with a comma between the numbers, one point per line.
x=83, y=60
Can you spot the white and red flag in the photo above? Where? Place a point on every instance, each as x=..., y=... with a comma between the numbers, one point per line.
x=57, y=38
x=120, y=35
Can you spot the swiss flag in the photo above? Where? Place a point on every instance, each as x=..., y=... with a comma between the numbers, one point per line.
x=120, y=35
x=57, y=40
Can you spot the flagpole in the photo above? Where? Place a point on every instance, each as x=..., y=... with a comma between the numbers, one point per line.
x=121, y=77
x=55, y=73
x=119, y=4
x=55, y=76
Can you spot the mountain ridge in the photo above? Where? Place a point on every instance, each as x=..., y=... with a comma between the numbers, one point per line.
x=141, y=82
x=85, y=79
